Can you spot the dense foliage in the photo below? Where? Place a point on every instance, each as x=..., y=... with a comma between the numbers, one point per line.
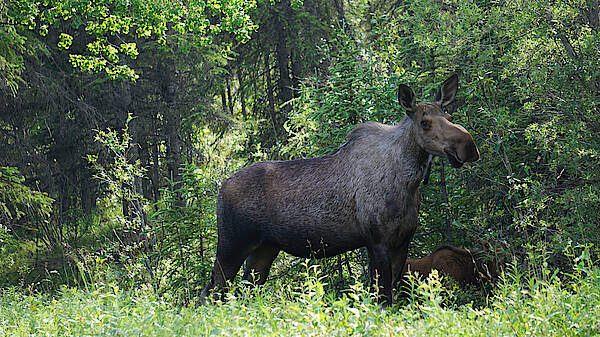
x=119, y=120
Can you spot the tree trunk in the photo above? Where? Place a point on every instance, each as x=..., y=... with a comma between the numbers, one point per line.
x=339, y=6
x=594, y=15
x=229, y=97
x=340, y=272
x=270, y=98
x=88, y=191
x=145, y=162
x=172, y=127
x=155, y=168
x=296, y=71
x=173, y=147
x=224, y=100
x=283, y=62
x=448, y=228
x=242, y=94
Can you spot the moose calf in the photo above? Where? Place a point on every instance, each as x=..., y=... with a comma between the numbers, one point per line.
x=467, y=267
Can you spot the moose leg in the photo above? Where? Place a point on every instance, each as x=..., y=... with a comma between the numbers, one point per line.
x=398, y=260
x=259, y=262
x=227, y=263
x=382, y=272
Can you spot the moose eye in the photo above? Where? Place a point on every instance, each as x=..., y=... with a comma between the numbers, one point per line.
x=425, y=124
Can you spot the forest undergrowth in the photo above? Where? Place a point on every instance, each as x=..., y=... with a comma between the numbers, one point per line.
x=521, y=304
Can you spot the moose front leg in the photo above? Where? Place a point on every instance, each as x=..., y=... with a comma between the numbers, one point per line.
x=382, y=272
x=399, y=256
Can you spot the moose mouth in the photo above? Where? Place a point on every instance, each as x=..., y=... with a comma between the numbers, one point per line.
x=453, y=159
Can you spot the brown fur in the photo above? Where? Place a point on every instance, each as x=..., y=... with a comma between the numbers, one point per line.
x=364, y=194
x=463, y=265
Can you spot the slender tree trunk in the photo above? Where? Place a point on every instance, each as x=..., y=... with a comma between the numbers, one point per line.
x=340, y=271
x=339, y=6
x=88, y=191
x=448, y=228
x=242, y=94
x=283, y=62
x=136, y=209
x=173, y=147
x=224, y=100
x=155, y=168
x=125, y=202
x=229, y=97
x=348, y=264
x=174, y=144
x=145, y=162
x=593, y=14
x=270, y=98
x=296, y=71
x=365, y=263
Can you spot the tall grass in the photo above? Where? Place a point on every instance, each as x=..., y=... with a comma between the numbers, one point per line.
x=551, y=305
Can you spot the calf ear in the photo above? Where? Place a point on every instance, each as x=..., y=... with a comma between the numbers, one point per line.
x=447, y=91
x=406, y=98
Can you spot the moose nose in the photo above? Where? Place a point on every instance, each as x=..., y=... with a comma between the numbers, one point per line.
x=464, y=145
x=471, y=152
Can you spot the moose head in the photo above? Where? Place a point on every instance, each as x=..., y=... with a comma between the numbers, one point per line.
x=433, y=127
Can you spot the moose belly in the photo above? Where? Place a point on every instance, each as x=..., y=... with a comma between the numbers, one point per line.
x=315, y=242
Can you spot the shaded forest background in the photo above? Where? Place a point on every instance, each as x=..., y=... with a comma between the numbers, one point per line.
x=119, y=119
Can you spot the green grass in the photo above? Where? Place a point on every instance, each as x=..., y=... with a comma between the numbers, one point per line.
x=520, y=306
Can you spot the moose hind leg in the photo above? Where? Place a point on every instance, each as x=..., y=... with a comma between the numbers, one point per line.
x=227, y=264
x=259, y=263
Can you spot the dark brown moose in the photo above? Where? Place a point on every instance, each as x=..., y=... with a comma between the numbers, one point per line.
x=467, y=267
x=365, y=194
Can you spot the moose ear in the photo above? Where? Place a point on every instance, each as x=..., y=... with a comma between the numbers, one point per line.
x=447, y=91
x=406, y=98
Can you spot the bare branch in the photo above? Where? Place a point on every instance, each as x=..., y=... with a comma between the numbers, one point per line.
x=562, y=37
x=568, y=46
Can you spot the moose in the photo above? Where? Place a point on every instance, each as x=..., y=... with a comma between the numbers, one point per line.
x=467, y=267
x=365, y=194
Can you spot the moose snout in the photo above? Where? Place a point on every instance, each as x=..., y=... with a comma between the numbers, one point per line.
x=467, y=150
x=461, y=146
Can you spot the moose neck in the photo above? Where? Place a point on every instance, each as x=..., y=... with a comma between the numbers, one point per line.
x=410, y=157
